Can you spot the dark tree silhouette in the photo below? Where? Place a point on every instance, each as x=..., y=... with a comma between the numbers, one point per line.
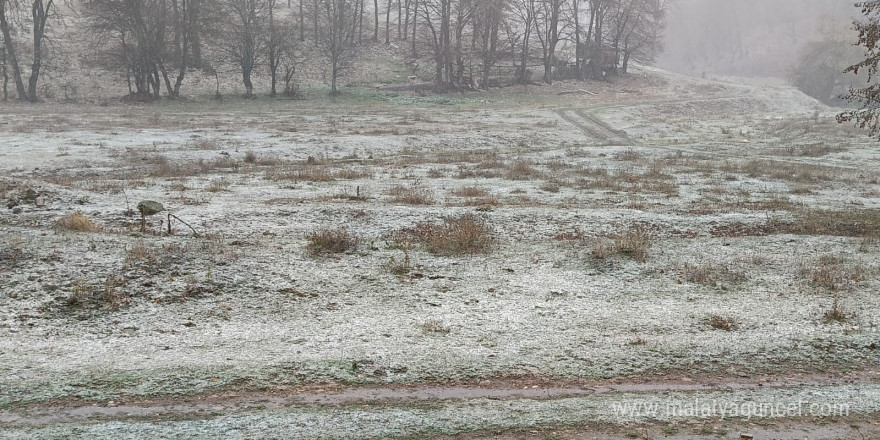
x=868, y=115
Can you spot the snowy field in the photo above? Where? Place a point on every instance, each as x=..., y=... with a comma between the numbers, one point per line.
x=656, y=226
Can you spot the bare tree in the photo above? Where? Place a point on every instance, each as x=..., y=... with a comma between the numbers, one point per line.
x=388, y=4
x=41, y=12
x=446, y=22
x=131, y=37
x=3, y=70
x=488, y=22
x=868, y=116
x=645, y=38
x=278, y=37
x=243, y=40
x=375, y=20
x=337, y=36
x=520, y=36
x=547, y=21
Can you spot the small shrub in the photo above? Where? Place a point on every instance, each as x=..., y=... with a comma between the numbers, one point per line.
x=250, y=157
x=436, y=326
x=353, y=173
x=436, y=173
x=836, y=313
x=411, y=195
x=522, y=170
x=719, y=322
x=401, y=267
x=77, y=222
x=405, y=243
x=107, y=295
x=461, y=235
x=550, y=186
x=471, y=192
x=300, y=173
x=833, y=273
x=12, y=253
x=710, y=275
x=634, y=244
x=868, y=243
x=140, y=253
x=331, y=241
x=218, y=185
x=629, y=156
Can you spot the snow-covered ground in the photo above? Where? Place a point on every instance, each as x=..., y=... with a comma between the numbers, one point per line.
x=705, y=171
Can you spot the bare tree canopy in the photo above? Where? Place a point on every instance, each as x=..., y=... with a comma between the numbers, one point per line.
x=868, y=116
x=41, y=11
x=337, y=35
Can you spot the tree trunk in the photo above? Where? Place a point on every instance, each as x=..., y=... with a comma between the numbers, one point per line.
x=5, y=82
x=360, y=20
x=334, y=74
x=388, y=22
x=415, y=19
x=11, y=57
x=406, y=20
x=40, y=14
x=302, y=22
x=193, y=22
x=375, y=20
x=248, y=85
x=575, y=5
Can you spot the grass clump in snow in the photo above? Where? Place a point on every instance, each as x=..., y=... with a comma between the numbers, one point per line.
x=633, y=243
x=106, y=295
x=77, y=222
x=836, y=313
x=461, y=235
x=331, y=241
x=725, y=323
x=436, y=326
x=411, y=195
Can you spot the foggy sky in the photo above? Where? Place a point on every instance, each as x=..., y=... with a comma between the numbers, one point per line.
x=746, y=37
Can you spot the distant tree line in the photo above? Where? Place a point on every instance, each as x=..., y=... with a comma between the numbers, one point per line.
x=470, y=44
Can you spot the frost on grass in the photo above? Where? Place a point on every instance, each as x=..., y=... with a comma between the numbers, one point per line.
x=328, y=241
x=460, y=235
x=77, y=222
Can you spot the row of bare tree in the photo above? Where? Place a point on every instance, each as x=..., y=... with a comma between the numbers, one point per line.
x=469, y=43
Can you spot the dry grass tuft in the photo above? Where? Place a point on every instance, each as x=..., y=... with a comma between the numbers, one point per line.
x=470, y=192
x=461, y=235
x=104, y=295
x=218, y=185
x=711, y=275
x=719, y=322
x=833, y=273
x=331, y=241
x=522, y=170
x=411, y=195
x=77, y=222
x=436, y=326
x=12, y=253
x=163, y=167
x=848, y=223
x=634, y=244
x=836, y=313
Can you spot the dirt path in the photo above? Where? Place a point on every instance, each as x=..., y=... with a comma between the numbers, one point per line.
x=587, y=120
x=334, y=396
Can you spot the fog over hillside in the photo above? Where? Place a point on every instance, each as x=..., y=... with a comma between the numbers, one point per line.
x=745, y=37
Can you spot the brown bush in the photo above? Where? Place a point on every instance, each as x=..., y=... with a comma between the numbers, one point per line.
x=77, y=222
x=411, y=195
x=331, y=241
x=722, y=323
x=461, y=235
x=633, y=243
